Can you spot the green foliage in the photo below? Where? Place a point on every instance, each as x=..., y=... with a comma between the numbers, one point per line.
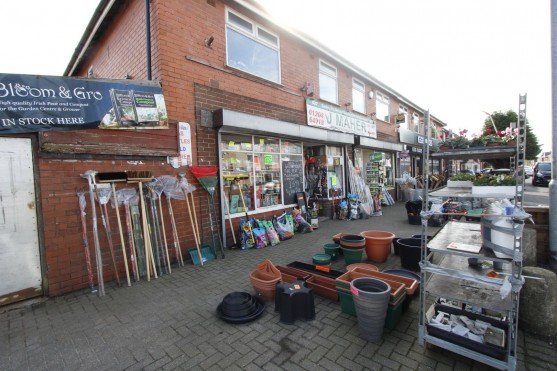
x=456, y=141
x=496, y=180
x=504, y=119
x=461, y=177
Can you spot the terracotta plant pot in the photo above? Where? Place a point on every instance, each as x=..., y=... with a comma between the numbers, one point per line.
x=366, y=266
x=378, y=245
x=265, y=278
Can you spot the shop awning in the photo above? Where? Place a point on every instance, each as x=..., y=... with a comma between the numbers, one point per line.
x=480, y=153
x=251, y=124
x=378, y=144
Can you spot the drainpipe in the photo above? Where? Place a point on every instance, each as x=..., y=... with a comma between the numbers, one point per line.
x=552, y=184
x=148, y=36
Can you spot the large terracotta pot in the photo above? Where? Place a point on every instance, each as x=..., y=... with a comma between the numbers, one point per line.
x=378, y=245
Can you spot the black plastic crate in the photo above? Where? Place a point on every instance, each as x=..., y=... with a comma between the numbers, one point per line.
x=487, y=349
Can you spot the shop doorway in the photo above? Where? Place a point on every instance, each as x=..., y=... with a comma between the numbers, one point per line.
x=20, y=265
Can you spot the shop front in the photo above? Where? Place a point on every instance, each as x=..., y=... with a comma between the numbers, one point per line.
x=411, y=159
x=376, y=162
x=265, y=164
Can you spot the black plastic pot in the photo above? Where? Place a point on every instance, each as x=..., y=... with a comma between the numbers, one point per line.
x=410, y=253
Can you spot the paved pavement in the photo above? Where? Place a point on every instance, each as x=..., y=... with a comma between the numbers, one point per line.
x=171, y=323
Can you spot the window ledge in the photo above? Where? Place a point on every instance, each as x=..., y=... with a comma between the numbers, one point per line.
x=261, y=210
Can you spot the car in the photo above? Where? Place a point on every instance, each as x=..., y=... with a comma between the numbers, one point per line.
x=501, y=171
x=542, y=174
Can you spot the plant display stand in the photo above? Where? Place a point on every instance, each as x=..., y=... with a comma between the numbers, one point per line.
x=452, y=272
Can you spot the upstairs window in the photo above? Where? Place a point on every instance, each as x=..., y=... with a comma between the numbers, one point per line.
x=251, y=48
x=358, y=96
x=415, y=123
x=382, y=107
x=328, y=88
x=403, y=112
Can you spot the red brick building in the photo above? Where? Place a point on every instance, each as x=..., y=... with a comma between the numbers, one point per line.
x=258, y=98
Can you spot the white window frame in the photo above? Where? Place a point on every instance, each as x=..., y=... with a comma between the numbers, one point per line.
x=330, y=75
x=255, y=33
x=358, y=96
x=404, y=111
x=384, y=100
x=416, y=123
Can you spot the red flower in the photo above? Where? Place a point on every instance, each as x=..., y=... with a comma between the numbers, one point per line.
x=488, y=131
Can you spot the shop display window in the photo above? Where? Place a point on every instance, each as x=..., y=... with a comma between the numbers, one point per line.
x=325, y=171
x=251, y=167
x=368, y=161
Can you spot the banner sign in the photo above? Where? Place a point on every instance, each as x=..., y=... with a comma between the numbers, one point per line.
x=31, y=103
x=376, y=156
x=184, y=136
x=413, y=138
x=329, y=117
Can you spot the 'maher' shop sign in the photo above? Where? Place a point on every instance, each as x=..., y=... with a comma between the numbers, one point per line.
x=331, y=118
x=44, y=103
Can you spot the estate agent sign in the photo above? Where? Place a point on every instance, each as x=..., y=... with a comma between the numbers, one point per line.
x=332, y=118
x=31, y=103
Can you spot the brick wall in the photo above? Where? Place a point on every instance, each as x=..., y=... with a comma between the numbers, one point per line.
x=63, y=242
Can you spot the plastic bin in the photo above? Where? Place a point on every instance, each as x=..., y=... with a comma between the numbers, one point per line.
x=413, y=210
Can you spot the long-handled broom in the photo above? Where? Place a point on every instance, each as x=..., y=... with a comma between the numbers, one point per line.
x=188, y=189
x=171, y=189
x=112, y=178
x=140, y=177
x=158, y=188
x=90, y=176
x=136, y=223
x=123, y=196
x=103, y=196
x=82, y=205
x=207, y=177
x=235, y=178
x=155, y=228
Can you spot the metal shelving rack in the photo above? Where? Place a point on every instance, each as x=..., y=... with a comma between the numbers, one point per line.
x=445, y=272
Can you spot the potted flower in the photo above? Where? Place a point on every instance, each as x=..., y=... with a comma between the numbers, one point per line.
x=479, y=141
x=492, y=138
x=508, y=136
x=455, y=141
x=444, y=143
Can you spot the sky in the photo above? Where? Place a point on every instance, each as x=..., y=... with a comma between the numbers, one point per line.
x=458, y=59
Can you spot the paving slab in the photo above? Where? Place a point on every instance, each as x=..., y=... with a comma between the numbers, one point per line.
x=171, y=322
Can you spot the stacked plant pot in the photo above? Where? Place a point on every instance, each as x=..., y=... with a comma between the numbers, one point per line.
x=371, y=300
x=352, y=246
x=396, y=299
x=264, y=279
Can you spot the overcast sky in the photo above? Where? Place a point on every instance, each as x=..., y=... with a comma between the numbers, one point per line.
x=455, y=58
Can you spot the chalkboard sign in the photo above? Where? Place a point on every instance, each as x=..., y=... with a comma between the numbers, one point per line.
x=292, y=180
